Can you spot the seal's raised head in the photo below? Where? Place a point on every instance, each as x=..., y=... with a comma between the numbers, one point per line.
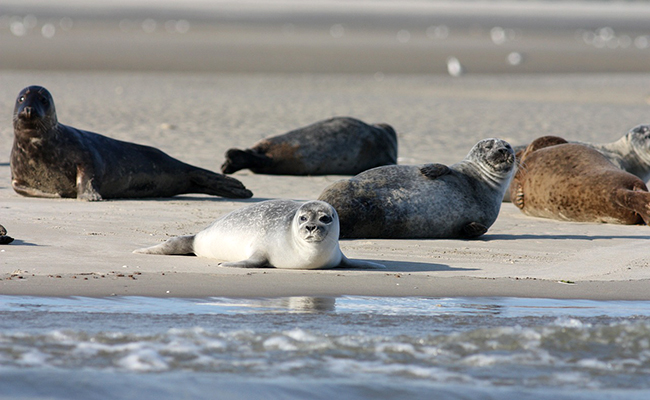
x=493, y=155
x=317, y=221
x=34, y=110
x=639, y=138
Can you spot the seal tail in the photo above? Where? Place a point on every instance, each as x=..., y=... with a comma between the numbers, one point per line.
x=208, y=182
x=180, y=245
x=239, y=159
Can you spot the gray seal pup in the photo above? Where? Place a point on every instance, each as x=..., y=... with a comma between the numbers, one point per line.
x=573, y=182
x=274, y=233
x=630, y=153
x=426, y=201
x=4, y=239
x=49, y=159
x=337, y=146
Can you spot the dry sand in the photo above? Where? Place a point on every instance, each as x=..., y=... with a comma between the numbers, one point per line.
x=69, y=247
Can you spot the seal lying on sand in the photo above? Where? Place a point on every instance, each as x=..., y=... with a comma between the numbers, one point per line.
x=4, y=239
x=630, y=153
x=273, y=233
x=574, y=182
x=49, y=159
x=337, y=146
x=427, y=201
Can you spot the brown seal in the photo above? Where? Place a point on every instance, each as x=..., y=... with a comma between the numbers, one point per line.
x=49, y=159
x=337, y=146
x=4, y=239
x=574, y=182
x=426, y=201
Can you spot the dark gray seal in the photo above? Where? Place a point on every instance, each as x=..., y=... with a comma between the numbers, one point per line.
x=274, y=233
x=49, y=159
x=574, y=182
x=4, y=239
x=337, y=146
x=426, y=201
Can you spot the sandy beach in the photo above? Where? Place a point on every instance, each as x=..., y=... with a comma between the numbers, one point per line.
x=68, y=247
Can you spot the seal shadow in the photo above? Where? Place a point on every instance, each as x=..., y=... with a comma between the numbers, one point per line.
x=407, y=266
x=489, y=238
x=18, y=242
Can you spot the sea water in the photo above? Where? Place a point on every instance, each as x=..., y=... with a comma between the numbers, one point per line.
x=323, y=348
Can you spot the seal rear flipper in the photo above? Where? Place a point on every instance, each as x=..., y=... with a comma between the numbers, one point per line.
x=240, y=159
x=473, y=230
x=637, y=200
x=208, y=182
x=434, y=171
x=180, y=245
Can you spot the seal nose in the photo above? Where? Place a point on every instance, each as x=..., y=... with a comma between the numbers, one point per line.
x=27, y=112
x=310, y=228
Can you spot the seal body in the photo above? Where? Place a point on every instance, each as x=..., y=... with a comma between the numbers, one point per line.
x=574, y=182
x=49, y=159
x=274, y=233
x=337, y=146
x=426, y=201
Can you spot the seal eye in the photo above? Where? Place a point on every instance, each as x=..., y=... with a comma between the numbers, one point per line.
x=303, y=218
x=21, y=99
x=326, y=219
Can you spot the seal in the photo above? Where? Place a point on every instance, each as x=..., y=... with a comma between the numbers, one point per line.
x=4, y=239
x=274, y=233
x=573, y=182
x=337, y=146
x=426, y=201
x=49, y=159
x=630, y=153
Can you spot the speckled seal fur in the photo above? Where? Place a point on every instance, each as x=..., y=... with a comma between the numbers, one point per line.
x=49, y=159
x=574, y=182
x=274, y=233
x=426, y=201
x=337, y=146
x=630, y=153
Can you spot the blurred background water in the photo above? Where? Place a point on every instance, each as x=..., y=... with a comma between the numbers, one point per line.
x=327, y=36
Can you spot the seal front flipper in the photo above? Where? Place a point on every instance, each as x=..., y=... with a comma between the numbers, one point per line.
x=473, y=230
x=347, y=263
x=255, y=261
x=85, y=185
x=208, y=182
x=180, y=245
x=433, y=171
x=241, y=159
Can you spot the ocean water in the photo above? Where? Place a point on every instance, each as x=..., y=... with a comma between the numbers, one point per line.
x=322, y=348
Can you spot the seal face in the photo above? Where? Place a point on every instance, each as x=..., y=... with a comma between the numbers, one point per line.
x=337, y=146
x=274, y=233
x=426, y=201
x=49, y=159
x=574, y=182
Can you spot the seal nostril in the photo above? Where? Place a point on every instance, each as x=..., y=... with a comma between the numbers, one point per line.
x=27, y=112
x=310, y=228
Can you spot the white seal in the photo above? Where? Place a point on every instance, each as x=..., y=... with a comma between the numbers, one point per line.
x=275, y=233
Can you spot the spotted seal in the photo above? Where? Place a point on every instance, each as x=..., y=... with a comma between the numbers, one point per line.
x=426, y=201
x=337, y=146
x=573, y=182
x=630, y=153
x=274, y=233
x=49, y=159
